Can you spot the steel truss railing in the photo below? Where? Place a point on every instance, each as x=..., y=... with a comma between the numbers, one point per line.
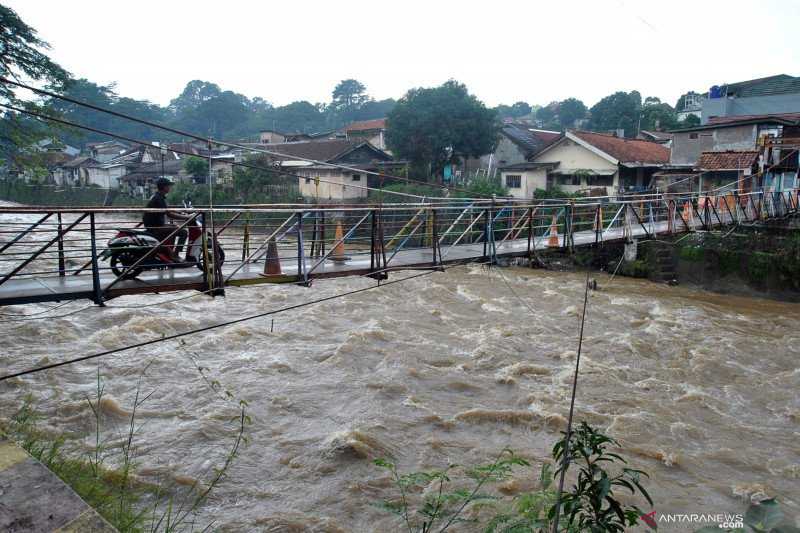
x=50, y=254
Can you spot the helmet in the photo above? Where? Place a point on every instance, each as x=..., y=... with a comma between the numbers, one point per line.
x=163, y=182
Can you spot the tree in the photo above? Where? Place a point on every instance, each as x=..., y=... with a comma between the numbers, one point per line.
x=690, y=121
x=432, y=127
x=547, y=114
x=195, y=93
x=617, y=111
x=196, y=167
x=516, y=110
x=657, y=116
x=22, y=57
x=569, y=111
x=348, y=98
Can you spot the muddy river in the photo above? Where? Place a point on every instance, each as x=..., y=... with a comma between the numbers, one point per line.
x=701, y=389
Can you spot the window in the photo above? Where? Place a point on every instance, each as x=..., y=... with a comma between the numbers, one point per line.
x=599, y=181
x=356, y=177
x=569, y=179
x=693, y=136
x=514, y=181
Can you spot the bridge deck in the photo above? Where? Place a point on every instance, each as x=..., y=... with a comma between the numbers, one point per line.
x=54, y=288
x=60, y=241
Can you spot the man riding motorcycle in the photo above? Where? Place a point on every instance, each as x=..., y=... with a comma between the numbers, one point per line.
x=156, y=221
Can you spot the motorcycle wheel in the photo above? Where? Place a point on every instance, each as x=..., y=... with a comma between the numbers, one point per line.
x=201, y=264
x=121, y=261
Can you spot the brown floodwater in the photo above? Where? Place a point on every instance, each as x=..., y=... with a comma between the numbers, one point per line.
x=701, y=389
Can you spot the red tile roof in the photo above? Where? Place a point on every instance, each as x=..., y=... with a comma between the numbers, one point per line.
x=793, y=117
x=728, y=160
x=626, y=150
x=365, y=125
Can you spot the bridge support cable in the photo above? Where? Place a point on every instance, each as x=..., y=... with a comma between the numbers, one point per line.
x=566, y=461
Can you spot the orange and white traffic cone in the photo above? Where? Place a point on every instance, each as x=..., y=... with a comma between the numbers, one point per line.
x=598, y=220
x=553, y=240
x=338, y=250
x=272, y=265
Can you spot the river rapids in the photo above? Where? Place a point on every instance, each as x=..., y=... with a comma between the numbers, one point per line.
x=701, y=389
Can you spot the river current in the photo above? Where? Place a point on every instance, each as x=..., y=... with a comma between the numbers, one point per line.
x=701, y=389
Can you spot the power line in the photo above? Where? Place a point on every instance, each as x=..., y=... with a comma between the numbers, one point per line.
x=225, y=143
x=219, y=325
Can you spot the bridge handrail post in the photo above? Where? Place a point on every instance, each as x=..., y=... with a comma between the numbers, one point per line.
x=62, y=268
x=435, y=239
x=530, y=234
x=96, y=288
x=301, y=254
x=372, y=248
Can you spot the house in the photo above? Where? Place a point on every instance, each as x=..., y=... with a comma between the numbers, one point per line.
x=763, y=96
x=517, y=144
x=727, y=133
x=373, y=131
x=334, y=183
x=55, y=146
x=104, y=151
x=582, y=161
x=661, y=137
x=718, y=169
x=135, y=170
x=692, y=106
x=74, y=172
x=271, y=137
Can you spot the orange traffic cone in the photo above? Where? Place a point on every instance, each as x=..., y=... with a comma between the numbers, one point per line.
x=687, y=213
x=553, y=240
x=272, y=266
x=338, y=250
x=598, y=220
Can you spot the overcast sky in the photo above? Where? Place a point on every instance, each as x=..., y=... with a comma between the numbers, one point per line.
x=504, y=51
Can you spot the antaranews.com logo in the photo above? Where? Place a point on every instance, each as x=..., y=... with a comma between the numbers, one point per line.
x=722, y=520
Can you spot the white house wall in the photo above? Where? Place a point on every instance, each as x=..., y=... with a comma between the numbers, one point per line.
x=336, y=185
x=571, y=156
x=530, y=180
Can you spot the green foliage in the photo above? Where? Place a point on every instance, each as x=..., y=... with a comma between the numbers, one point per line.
x=116, y=493
x=441, y=506
x=657, y=116
x=516, y=110
x=617, y=111
x=481, y=187
x=555, y=193
x=427, y=502
x=432, y=127
x=23, y=57
x=591, y=505
x=689, y=122
x=527, y=512
x=569, y=111
x=197, y=167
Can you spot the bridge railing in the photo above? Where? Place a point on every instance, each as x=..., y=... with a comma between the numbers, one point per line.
x=55, y=254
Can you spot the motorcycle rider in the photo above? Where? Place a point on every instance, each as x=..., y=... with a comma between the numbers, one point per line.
x=156, y=221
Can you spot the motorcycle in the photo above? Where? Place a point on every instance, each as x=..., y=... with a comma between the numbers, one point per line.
x=129, y=245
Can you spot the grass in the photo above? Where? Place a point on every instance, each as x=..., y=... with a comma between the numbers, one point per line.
x=105, y=475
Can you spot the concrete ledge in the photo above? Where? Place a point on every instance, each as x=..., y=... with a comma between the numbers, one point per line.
x=34, y=499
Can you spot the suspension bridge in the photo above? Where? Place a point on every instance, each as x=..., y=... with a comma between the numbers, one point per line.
x=55, y=254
